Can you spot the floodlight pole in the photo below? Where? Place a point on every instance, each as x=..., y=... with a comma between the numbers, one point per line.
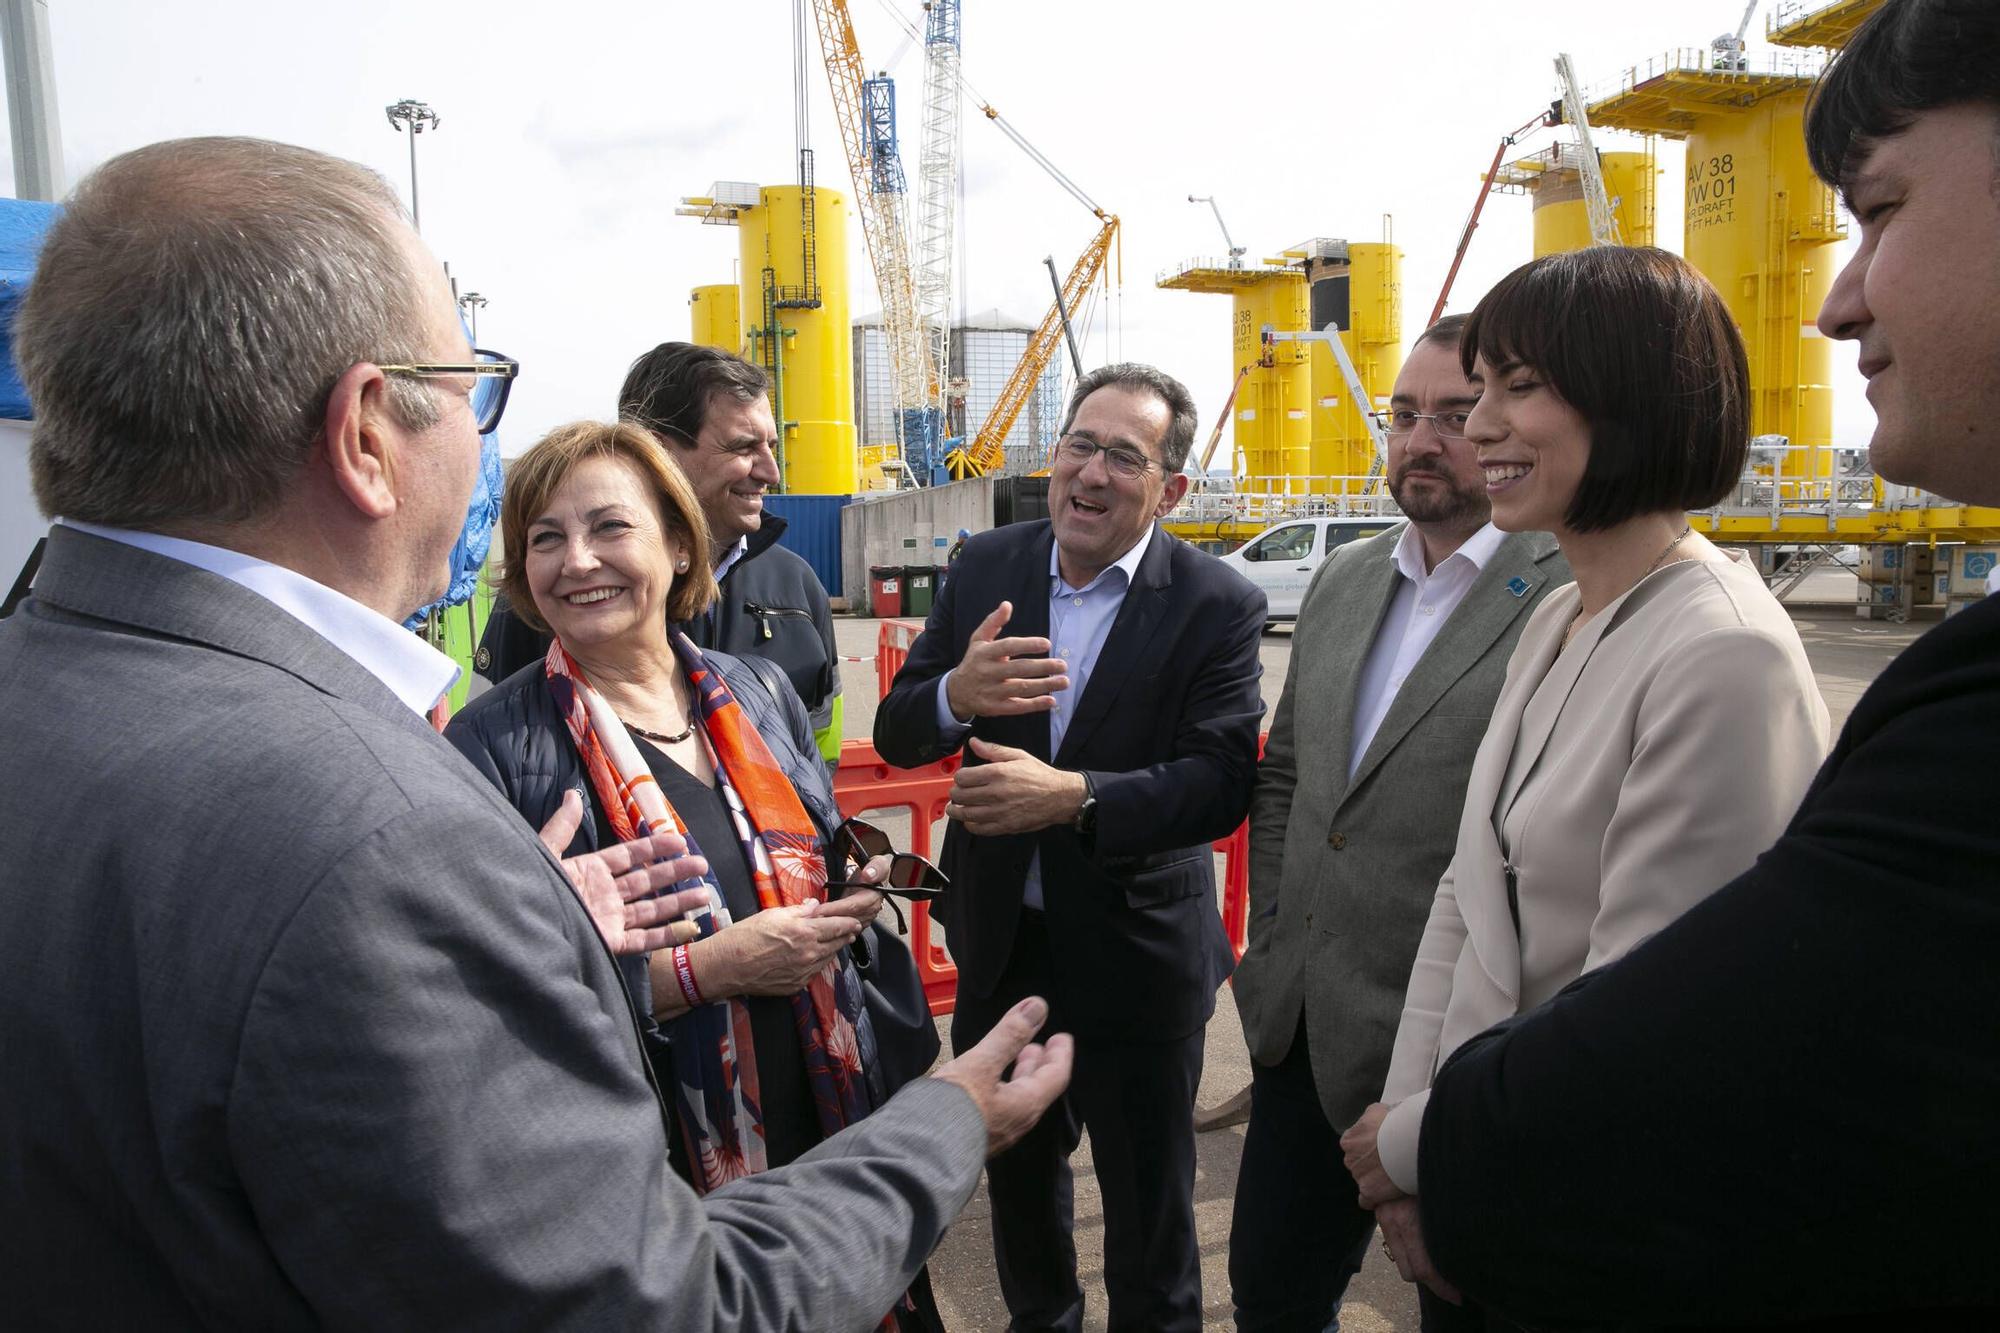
x=470, y=304
x=417, y=116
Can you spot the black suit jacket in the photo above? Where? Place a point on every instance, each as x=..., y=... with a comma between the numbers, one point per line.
x=1167, y=730
x=1781, y=1108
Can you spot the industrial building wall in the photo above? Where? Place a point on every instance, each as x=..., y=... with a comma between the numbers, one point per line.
x=872, y=531
x=874, y=390
x=983, y=357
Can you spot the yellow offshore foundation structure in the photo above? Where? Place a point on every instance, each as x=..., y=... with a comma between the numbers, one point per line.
x=1759, y=225
x=1553, y=182
x=1300, y=431
x=791, y=318
x=715, y=314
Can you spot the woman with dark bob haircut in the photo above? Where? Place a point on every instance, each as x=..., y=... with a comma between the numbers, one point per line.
x=1659, y=721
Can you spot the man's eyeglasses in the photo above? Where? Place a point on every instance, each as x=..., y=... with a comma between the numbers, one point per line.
x=493, y=373
x=1078, y=450
x=910, y=876
x=1401, y=421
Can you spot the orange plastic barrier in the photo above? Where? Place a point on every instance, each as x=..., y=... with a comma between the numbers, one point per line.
x=864, y=783
x=892, y=645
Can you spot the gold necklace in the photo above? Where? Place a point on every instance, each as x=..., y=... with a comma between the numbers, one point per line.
x=1576, y=621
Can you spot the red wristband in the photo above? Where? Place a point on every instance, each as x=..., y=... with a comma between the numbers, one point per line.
x=684, y=974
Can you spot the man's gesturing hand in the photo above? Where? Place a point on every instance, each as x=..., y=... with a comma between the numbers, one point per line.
x=615, y=883
x=1011, y=1106
x=1013, y=792
x=1004, y=677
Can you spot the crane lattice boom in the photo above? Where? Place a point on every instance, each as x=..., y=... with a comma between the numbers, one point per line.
x=882, y=212
x=987, y=450
x=1603, y=223
x=937, y=183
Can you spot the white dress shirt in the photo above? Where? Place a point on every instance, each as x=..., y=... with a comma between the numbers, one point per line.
x=1422, y=604
x=730, y=555
x=1080, y=620
x=415, y=672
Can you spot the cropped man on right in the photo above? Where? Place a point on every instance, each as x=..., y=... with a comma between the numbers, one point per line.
x=1779, y=1111
x=1401, y=646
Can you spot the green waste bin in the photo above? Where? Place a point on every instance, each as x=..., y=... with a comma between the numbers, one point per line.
x=917, y=587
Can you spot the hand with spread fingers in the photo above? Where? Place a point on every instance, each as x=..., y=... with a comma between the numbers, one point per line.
x=1004, y=677
x=1013, y=1103
x=1013, y=792
x=618, y=884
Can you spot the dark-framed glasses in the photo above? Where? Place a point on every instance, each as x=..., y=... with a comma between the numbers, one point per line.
x=910, y=876
x=1078, y=450
x=1401, y=421
x=492, y=373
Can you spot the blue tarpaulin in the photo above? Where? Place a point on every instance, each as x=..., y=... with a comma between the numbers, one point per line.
x=22, y=225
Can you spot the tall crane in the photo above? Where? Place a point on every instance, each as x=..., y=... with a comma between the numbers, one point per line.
x=1478, y=206
x=1603, y=222
x=865, y=109
x=987, y=450
x=937, y=184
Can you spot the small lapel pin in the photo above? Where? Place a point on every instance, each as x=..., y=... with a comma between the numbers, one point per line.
x=1518, y=586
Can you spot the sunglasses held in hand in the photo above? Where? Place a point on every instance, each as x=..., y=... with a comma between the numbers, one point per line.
x=910, y=876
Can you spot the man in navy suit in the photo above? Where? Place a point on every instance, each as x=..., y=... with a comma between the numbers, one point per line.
x=1102, y=676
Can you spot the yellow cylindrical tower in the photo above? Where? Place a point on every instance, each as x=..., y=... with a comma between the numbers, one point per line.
x=794, y=305
x=1358, y=287
x=1758, y=222
x=1274, y=407
x=1562, y=220
x=1342, y=446
x=716, y=316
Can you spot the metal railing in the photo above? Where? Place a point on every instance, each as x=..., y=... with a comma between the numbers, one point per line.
x=1267, y=500
x=1700, y=60
x=1205, y=262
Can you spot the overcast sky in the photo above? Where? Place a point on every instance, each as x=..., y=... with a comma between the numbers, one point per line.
x=570, y=131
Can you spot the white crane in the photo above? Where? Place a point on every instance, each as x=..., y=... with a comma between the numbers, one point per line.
x=1603, y=222
x=937, y=185
x=1728, y=48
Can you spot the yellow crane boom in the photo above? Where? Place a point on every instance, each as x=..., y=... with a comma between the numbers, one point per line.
x=987, y=450
x=883, y=225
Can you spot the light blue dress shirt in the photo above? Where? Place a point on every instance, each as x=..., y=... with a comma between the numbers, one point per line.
x=1079, y=621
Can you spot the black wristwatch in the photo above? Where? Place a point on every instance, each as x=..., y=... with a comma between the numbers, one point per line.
x=1085, y=822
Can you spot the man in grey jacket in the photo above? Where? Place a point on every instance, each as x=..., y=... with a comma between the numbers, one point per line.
x=1401, y=646
x=302, y=1025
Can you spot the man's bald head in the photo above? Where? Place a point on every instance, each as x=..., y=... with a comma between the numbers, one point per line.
x=191, y=310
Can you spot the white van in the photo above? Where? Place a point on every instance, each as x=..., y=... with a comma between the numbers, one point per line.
x=1281, y=559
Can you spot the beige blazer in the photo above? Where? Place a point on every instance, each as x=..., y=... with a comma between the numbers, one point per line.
x=1631, y=774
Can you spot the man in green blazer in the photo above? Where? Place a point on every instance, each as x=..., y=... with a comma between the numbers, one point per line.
x=1401, y=646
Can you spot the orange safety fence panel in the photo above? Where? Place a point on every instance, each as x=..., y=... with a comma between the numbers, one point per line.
x=892, y=646
x=864, y=782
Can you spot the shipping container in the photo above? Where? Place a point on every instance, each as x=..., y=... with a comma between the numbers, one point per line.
x=812, y=531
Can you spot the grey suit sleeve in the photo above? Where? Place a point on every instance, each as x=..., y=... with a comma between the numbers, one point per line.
x=441, y=1117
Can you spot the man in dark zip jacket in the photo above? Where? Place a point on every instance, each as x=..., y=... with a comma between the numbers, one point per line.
x=714, y=409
